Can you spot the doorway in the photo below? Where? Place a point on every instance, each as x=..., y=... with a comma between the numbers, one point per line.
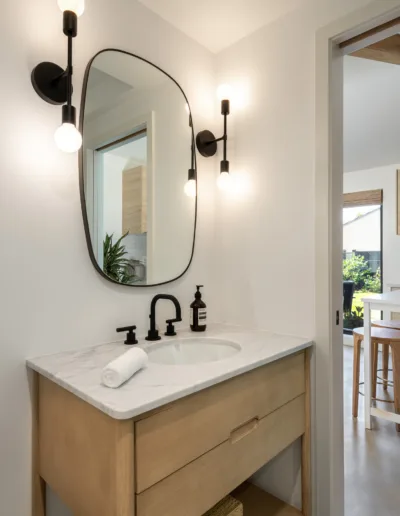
x=329, y=248
x=120, y=177
x=371, y=80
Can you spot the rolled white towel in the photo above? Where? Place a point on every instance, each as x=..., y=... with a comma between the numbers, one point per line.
x=124, y=367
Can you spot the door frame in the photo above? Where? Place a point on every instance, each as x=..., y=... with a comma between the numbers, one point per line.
x=328, y=420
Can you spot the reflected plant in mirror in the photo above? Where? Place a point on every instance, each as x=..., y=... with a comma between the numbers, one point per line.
x=115, y=264
x=137, y=156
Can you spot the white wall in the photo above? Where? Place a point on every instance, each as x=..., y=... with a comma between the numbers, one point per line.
x=52, y=298
x=382, y=178
x=273, y=145
x=267, y=238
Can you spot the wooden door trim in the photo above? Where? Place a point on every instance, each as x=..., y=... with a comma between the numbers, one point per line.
x=385, y=51
x=370, y=32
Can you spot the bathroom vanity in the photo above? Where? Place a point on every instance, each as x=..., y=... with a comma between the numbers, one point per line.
x=175, y=439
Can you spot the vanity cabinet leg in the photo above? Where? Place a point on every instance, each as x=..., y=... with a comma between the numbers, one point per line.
x=306, y=444
x=38, y=484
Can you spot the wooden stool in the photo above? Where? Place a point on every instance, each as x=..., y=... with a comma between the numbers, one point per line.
x=387, y=337
x=394, y=325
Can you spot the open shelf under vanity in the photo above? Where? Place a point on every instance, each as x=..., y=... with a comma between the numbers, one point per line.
x=257, y=502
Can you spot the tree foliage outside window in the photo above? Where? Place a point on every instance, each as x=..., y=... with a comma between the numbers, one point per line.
x=356, y=269
x=373, y=284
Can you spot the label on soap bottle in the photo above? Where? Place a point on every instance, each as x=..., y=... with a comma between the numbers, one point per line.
x=202, y=316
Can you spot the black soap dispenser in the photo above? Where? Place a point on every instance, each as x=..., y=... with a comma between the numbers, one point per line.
x=198, y=312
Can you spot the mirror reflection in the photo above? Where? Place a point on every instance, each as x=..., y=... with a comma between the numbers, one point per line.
x=137, y=150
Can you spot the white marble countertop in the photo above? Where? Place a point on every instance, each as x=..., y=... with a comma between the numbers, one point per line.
x=80, y=371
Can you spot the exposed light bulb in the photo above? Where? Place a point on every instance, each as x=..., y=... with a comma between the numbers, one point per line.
x=190, y=188
x=224, y=181
x=68, y=138
x=76, y=6
x=224, y=92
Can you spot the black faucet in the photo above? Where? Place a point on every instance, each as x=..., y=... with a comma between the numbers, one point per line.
x=153, y=332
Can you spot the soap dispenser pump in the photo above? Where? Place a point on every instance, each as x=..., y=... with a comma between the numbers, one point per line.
x=198, y=312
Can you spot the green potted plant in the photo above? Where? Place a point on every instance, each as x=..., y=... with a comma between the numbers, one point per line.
x=115, y=265
x=354, y=318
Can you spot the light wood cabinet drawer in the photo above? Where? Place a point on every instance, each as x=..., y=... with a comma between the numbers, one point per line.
x=197, y=487
x=170, y=439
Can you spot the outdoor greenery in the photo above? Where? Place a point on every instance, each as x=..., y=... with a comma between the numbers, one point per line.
x=115, y=265
x=354, y=318
x=373, y=283
x=356, y=269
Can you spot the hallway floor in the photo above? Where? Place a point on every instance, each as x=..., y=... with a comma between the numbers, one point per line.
x=372, y=458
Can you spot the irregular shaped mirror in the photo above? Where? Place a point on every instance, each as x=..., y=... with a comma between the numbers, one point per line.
x=138, y=149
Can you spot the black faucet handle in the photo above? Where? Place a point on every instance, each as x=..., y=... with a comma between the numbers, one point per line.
x=130, y=336
x=171, y=328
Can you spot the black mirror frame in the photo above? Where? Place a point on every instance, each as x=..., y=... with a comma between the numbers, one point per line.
x=81, y=170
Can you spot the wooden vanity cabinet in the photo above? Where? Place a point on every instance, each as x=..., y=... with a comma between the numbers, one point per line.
x=178, y=460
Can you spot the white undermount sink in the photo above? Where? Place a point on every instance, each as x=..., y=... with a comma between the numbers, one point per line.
x=199, y=350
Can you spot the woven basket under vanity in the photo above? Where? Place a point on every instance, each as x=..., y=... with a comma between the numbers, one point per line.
x=226, y=507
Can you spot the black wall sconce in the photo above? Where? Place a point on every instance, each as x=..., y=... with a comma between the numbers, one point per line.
x=54, y=84
x=207, y=143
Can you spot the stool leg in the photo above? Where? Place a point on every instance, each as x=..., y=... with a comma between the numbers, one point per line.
x=396, y=378
x=385, y=366
x=356, y=373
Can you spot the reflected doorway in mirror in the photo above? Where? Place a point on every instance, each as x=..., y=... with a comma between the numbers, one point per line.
x=120, y=194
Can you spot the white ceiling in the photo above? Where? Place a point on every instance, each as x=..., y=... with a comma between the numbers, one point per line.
x=102, y=86
x=371, y=114
x=129, y=70
x=217, y=24
x=114, y=74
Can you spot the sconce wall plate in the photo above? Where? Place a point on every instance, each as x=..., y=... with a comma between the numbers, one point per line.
x=206, y=143
x=50, y=83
